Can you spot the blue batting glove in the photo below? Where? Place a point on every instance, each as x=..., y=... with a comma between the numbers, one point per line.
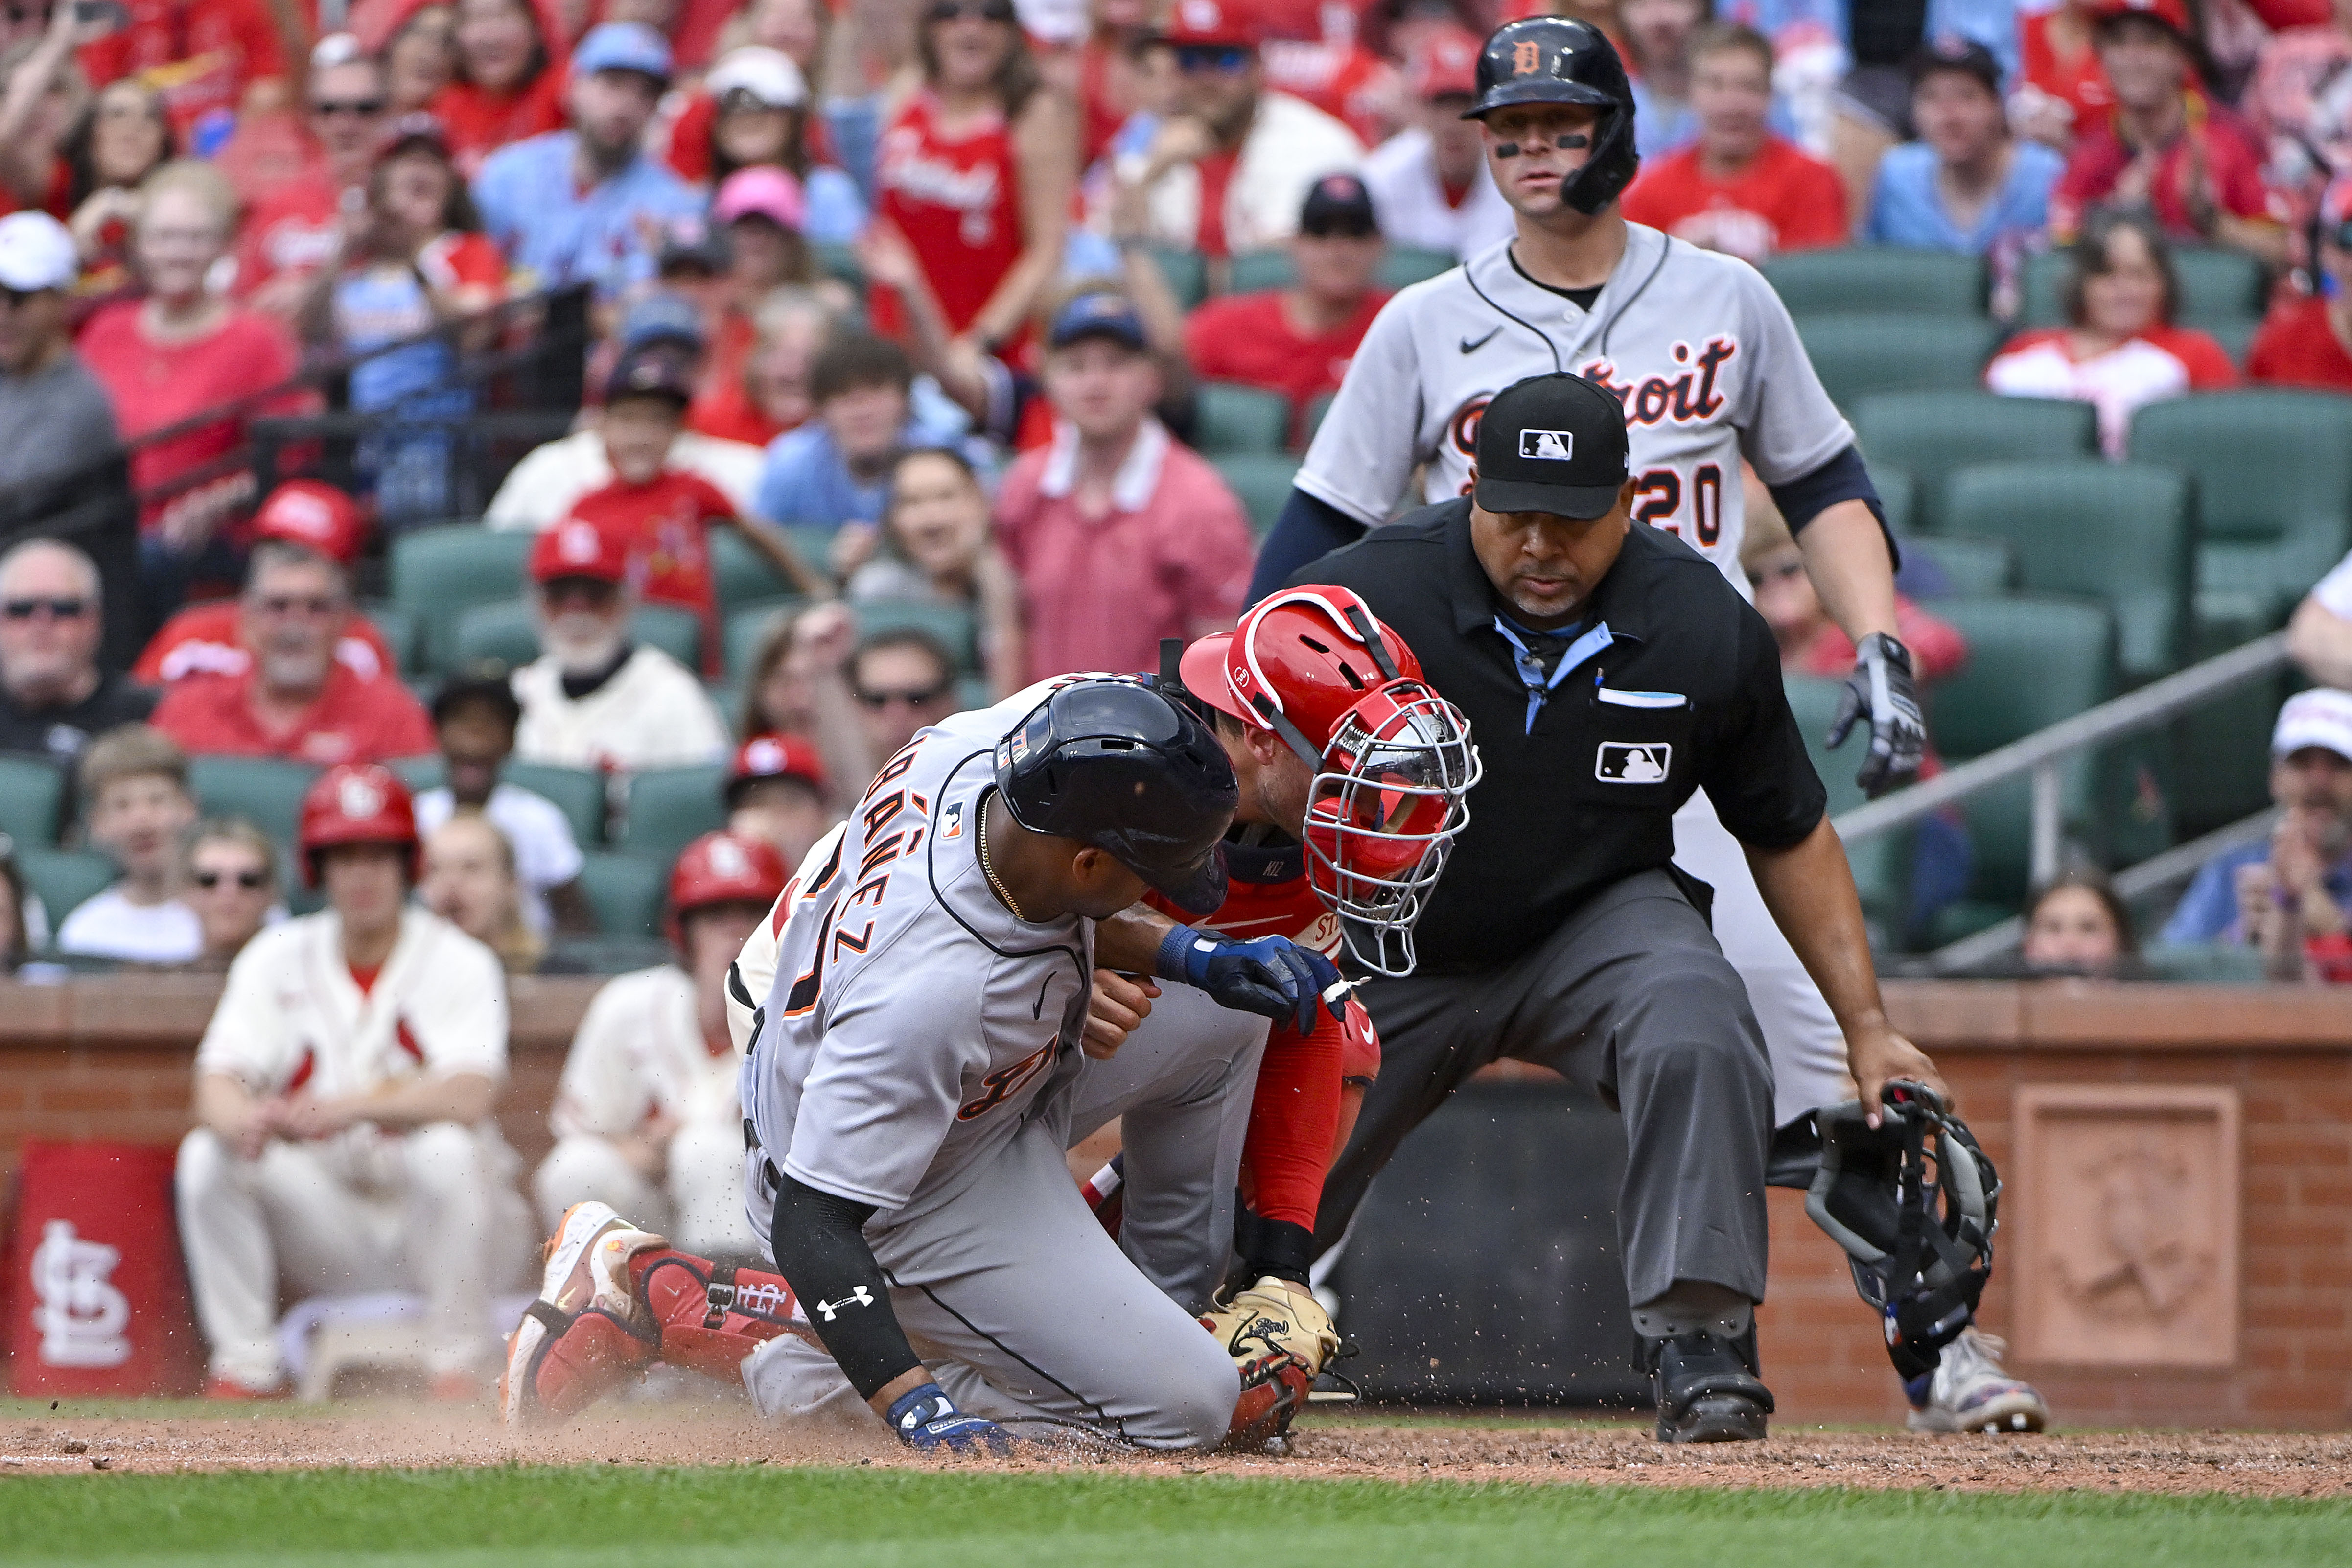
x=925, y=1418
x=1271, y=976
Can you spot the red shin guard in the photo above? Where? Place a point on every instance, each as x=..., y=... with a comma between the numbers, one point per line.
x=706, y=1327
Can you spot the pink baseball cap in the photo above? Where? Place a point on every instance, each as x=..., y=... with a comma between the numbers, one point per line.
x=761, y=192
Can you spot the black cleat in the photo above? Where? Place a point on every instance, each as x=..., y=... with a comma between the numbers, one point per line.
x=1707, y=1390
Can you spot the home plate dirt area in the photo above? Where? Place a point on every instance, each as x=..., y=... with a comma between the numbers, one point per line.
x=1369, y=1446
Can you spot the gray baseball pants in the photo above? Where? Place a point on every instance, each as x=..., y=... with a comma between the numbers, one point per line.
x=1184, y=1082
x=1010, y=1290
x=1631, y=997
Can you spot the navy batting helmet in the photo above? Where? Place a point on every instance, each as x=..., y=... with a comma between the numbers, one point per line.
x=1117, y=765
x=1553, y=59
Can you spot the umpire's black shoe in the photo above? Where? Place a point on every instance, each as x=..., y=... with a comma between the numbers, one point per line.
x=1706, y=1388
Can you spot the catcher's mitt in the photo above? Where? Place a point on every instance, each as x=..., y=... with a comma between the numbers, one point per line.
x=1914, y=1202
x=1280, y=1336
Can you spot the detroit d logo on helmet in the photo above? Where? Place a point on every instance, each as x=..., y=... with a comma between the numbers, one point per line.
x=358, y=799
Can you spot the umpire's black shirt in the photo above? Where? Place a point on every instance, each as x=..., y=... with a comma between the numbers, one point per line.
x=1673, y=684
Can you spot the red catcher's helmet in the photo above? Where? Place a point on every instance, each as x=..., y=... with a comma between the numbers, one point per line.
x=1393, y=760
x=723, y=868
x=356, y=803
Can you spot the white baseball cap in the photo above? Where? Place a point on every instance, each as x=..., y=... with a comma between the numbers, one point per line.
x=768, y=75
x=36, y=252
x=1060, y=22
x=2320, y=717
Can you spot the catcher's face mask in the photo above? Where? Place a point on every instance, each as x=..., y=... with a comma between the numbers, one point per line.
x=1912, y=1202
x=1383, y=814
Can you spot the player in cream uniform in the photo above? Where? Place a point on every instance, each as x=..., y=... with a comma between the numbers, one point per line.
x=646, y=1118
x=344, y=1090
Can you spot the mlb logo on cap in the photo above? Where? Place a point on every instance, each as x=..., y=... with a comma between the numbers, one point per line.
x=1551, y=446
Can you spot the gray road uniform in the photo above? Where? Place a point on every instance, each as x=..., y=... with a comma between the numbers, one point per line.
x=1709, y=365
x=920, y=1053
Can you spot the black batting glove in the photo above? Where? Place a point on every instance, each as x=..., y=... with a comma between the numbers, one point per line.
x=1881, y=690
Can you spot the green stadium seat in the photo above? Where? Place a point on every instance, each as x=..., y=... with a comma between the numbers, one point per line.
x=2236, y=338
x=1255, y=271
x=438, y=573
x=1975, y=568
x=1261, y=482
x=1856, y=356
x=747, y=625
x=2273, y=475
x=266, y=791
x=952, y=625
x=64, y=878
x=504, y=633
x=2218, y=287
x=1406, y=264
x=1932, y=433
x=744, y=573
x=669, y=808
x=1882, y=865
x=627, y=891
x=1186, y=271
x=2121, y=532
x=2031, y=663
x=32, y=800
x=1234, y=418
x=1878, y=278
x=400, y=630
x=840, y=261
x=577, y=793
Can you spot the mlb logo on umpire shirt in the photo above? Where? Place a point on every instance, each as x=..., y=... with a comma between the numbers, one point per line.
x=1632, y=763
x=1552, y=446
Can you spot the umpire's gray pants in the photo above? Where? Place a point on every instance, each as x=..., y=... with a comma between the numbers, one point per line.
x=1630, y=996
x=1023, y=1308
x=1183, y=1081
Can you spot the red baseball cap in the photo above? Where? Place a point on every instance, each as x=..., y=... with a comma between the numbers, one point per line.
x=1443, y=64
x=578, y=548
x=315, y=516
x=775, y=757
x=2173, y=13
x=1210, y=22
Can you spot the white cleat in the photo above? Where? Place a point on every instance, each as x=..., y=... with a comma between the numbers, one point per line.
x=1971, y=1392
x=587, y=1269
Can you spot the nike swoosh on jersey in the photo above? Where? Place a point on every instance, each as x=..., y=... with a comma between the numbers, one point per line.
x=1472, y=345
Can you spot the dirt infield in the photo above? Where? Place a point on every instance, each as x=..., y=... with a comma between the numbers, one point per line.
x=1363, y=1446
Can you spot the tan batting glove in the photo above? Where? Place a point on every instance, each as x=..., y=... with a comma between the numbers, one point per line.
x=1274, y=1317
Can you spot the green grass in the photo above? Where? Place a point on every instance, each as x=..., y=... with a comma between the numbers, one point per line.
x=592, y=1517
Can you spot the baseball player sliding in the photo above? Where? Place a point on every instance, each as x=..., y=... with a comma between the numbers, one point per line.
x=1709, y=370
x=1350, y=778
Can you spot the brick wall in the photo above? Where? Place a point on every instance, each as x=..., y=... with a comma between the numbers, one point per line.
x=110, y=1058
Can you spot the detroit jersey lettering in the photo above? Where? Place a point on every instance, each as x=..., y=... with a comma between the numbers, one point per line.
x=913, y=1025
x=1688, y=339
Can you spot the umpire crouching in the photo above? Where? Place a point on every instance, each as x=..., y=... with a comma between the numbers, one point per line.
x=1608, y=670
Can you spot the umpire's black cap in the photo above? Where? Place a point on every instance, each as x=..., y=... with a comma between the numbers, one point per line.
x=1114, y=765
x=1552, y=443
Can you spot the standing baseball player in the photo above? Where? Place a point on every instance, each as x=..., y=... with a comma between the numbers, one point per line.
x=1709, y=369
x=646, y=1116
x=343, y=1136
x=907, y=1100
